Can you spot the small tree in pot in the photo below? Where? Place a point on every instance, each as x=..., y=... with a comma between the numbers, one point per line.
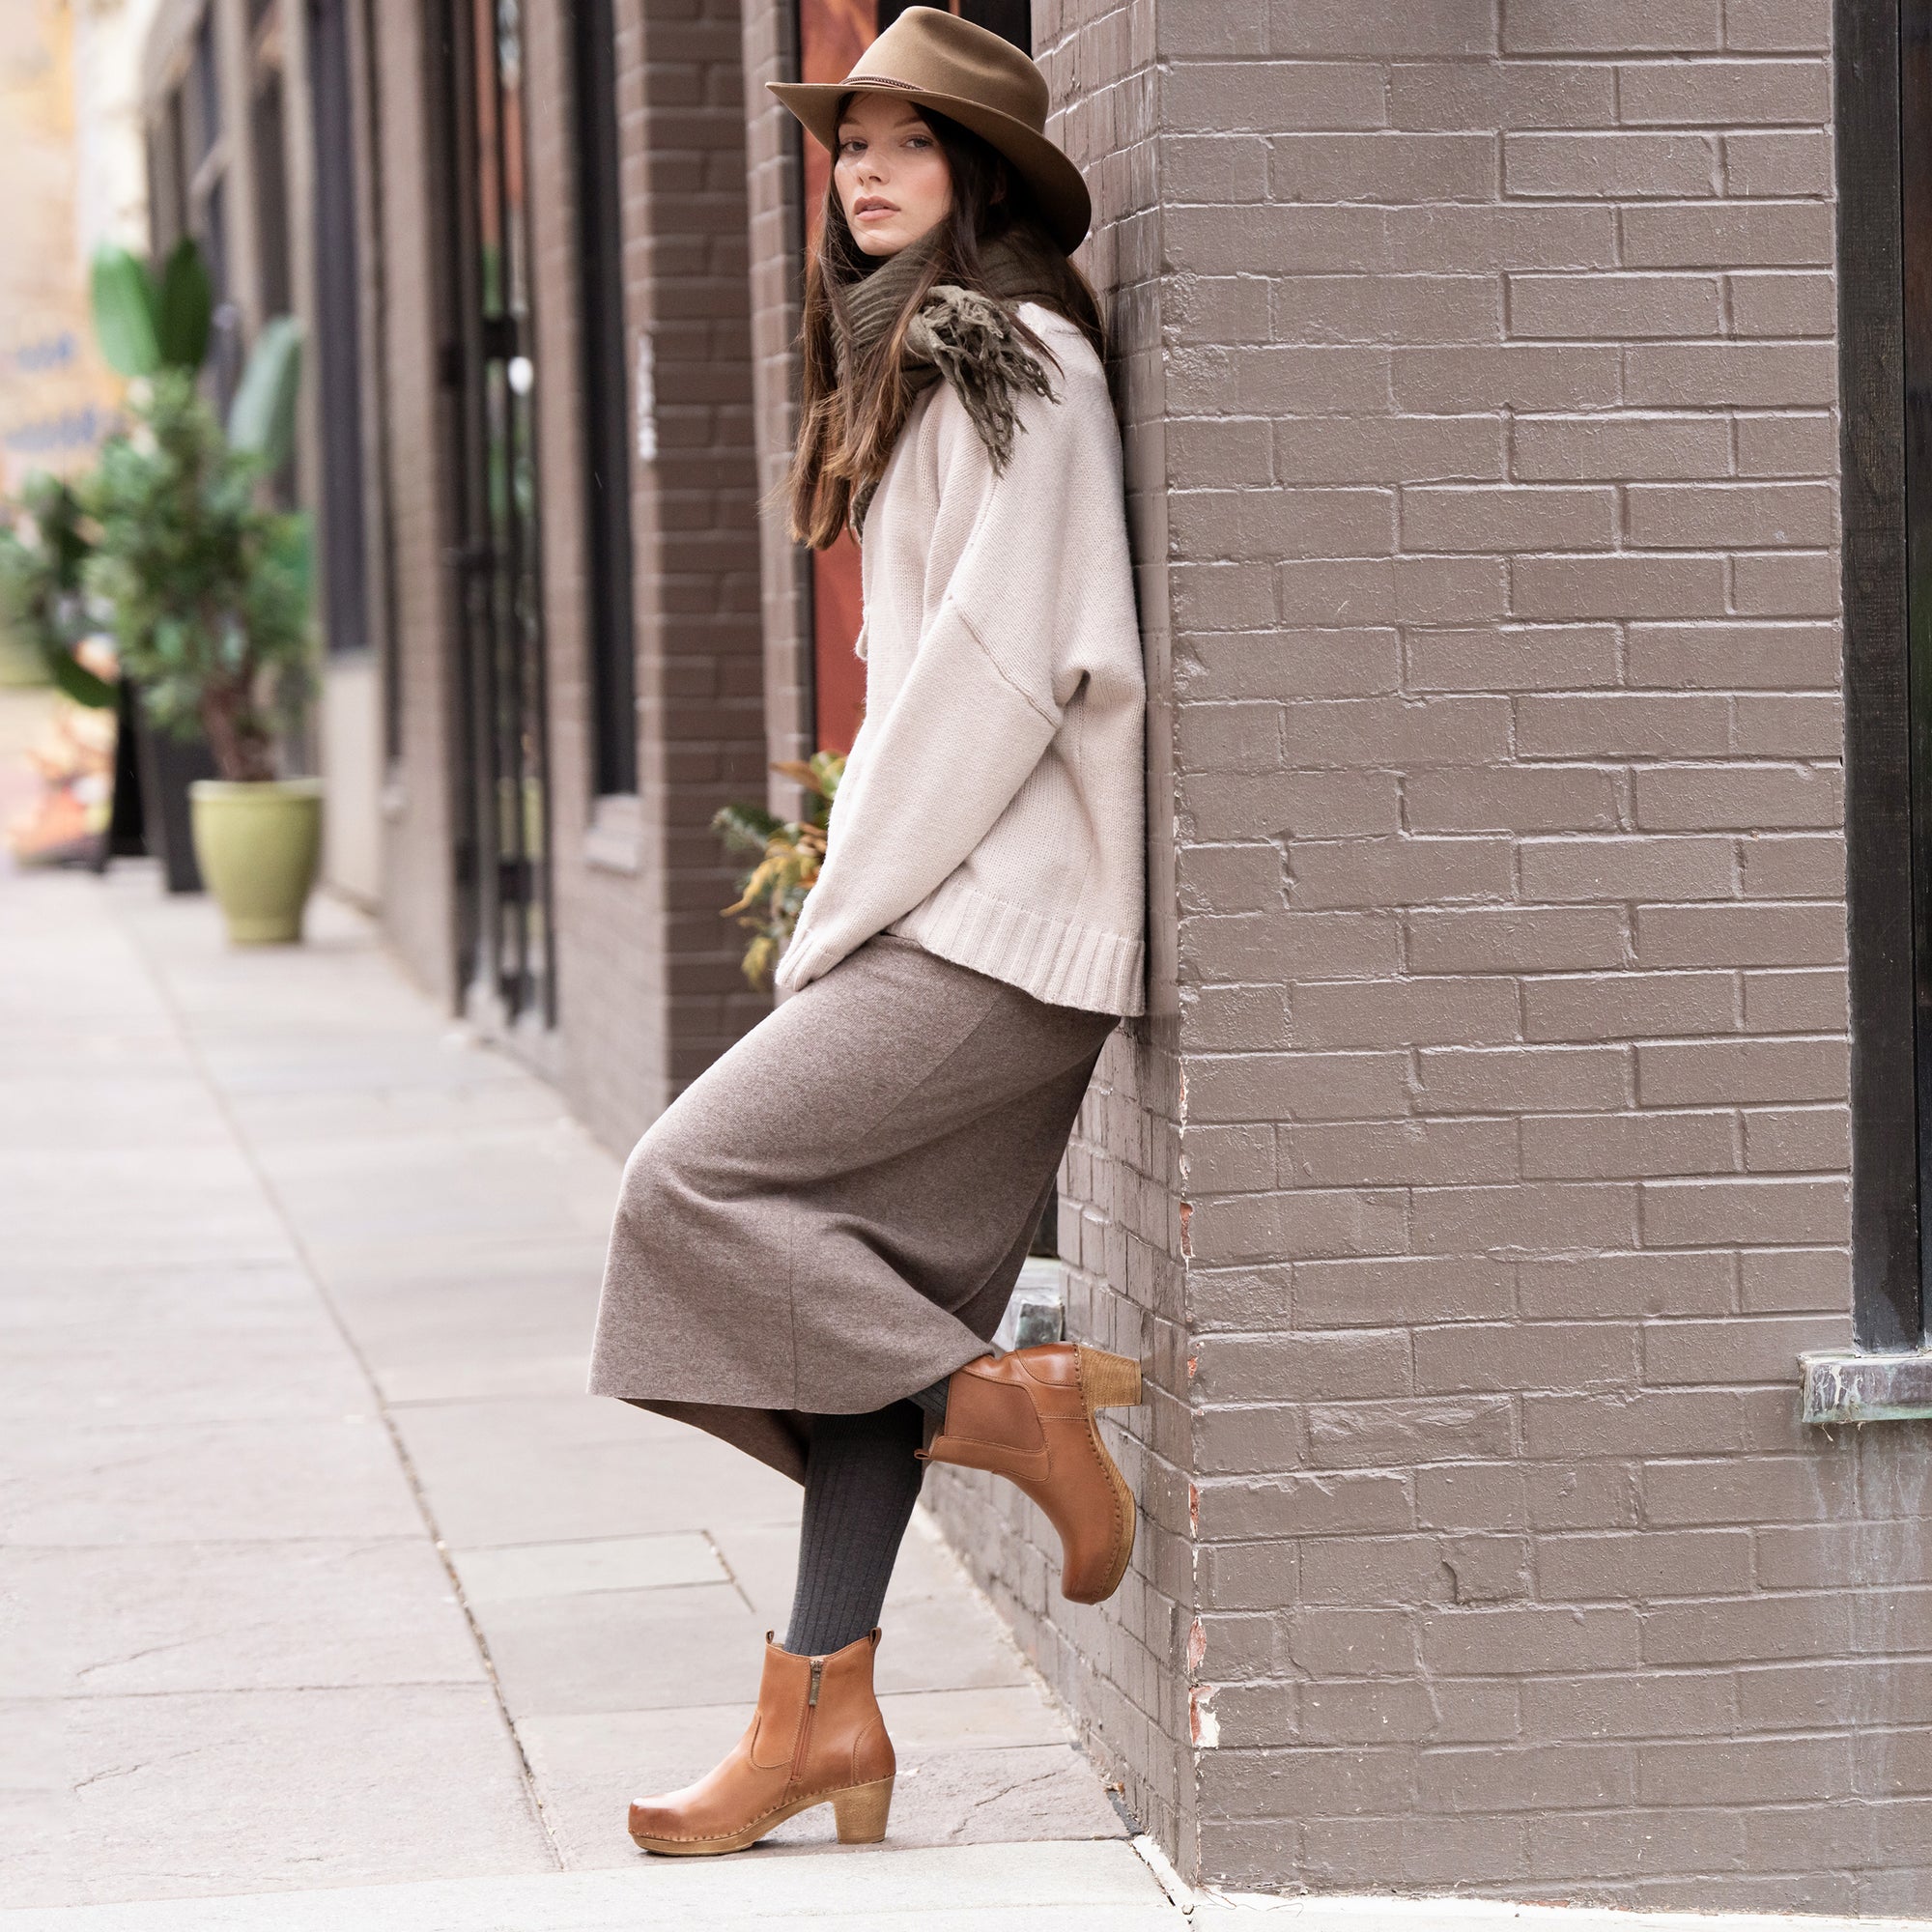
x=209, y=590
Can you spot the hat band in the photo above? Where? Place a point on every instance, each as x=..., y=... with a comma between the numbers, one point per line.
x=856, y=79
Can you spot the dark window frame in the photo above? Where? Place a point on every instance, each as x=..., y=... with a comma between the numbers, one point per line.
x=167, y=173
x=344, y=463
x=1884, y=69
x=268, y=136
x=604, y=382
x=200, y=96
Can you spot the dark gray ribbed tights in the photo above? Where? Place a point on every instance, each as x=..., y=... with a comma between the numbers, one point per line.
x=861, y=1482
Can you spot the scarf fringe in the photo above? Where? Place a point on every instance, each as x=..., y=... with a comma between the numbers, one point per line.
x=970, y=340
x=958, y=336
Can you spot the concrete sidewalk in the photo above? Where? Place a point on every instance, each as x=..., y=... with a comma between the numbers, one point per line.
x=328, y=1603
x=317, y=1566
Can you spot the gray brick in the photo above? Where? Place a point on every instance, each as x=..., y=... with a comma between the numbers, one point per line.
x=1724, y=92
x=1574, y=1147
x=1571, y=588
x=1366, y=1434
x=1515, y=940
x=1603, y=1285
x=1296, y=1367
x=1621, y=448
x=1682, y=1703
x=1754, y=1770
x=1502, y=94
x=1544, y=1778
x=1647, y=26
x=1399, y=1290
x=1520, y=798
x=1377, y=1153
x=1367, y=872
x=1528, y=1218
x=1729, y=235
x=1473, y=1357
x=1518, y=1639
x=1523, y=1079
x=1591, y=1006
x=1623, y=165
x=1766, y=1489
x=1356, y=1503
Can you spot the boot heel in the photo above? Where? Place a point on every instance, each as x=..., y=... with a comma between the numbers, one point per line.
x=862, y=1813
x=1109, y=1381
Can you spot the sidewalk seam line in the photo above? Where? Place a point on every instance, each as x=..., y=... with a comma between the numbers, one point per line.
x=202, y=1072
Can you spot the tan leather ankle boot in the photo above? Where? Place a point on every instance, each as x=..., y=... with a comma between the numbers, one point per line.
x=1029, y=1416
x=816, y=1738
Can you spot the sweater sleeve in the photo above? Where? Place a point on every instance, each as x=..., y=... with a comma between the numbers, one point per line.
x=988, y=683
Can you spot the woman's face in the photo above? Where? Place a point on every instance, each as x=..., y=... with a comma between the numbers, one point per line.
x=892, y=180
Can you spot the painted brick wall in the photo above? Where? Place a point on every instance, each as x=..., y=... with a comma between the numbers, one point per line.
x=1499, y=596
x=1503, y=467
x=1117, y=1667
x=1482, y=1169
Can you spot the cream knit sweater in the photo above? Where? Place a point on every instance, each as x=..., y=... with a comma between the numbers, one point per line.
x=992, y=808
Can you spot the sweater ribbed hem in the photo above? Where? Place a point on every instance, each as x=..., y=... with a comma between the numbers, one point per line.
x=1055, y=960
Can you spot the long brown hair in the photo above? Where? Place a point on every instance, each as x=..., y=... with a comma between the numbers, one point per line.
x=847, y=429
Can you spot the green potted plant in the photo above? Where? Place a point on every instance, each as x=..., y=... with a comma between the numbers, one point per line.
x=144, y=322
x=209, y=591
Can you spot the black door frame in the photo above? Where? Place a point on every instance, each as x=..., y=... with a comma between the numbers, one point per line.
x=1884, y=63
x=505, y=952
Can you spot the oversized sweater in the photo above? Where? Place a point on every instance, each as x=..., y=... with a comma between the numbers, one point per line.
x=992, y=807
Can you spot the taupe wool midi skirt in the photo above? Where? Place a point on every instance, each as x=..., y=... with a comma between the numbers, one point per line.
x=834, y=1215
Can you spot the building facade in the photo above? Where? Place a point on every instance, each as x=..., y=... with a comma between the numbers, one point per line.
x=1519, y=404
x=70, y=126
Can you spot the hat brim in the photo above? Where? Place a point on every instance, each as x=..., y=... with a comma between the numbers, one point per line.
x=1055, y=180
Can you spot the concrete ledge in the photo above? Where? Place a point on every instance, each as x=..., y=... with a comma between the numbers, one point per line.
x=1868, y=1389
x=1254, y=1912
x=1094, y=1886
x=614, y=839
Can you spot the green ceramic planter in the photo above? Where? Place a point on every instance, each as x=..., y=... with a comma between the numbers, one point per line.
x=258, y=846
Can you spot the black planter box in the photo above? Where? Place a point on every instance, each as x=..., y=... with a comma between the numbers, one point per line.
x=168, y=766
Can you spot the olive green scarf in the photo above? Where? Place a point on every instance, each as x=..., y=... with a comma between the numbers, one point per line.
x=959, y=335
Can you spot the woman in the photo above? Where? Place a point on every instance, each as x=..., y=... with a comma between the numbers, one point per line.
x=814, y=1242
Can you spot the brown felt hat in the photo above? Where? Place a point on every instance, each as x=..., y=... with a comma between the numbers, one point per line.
x=971, y=77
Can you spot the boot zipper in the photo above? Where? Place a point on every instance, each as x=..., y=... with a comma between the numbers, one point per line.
x=805, y=1727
